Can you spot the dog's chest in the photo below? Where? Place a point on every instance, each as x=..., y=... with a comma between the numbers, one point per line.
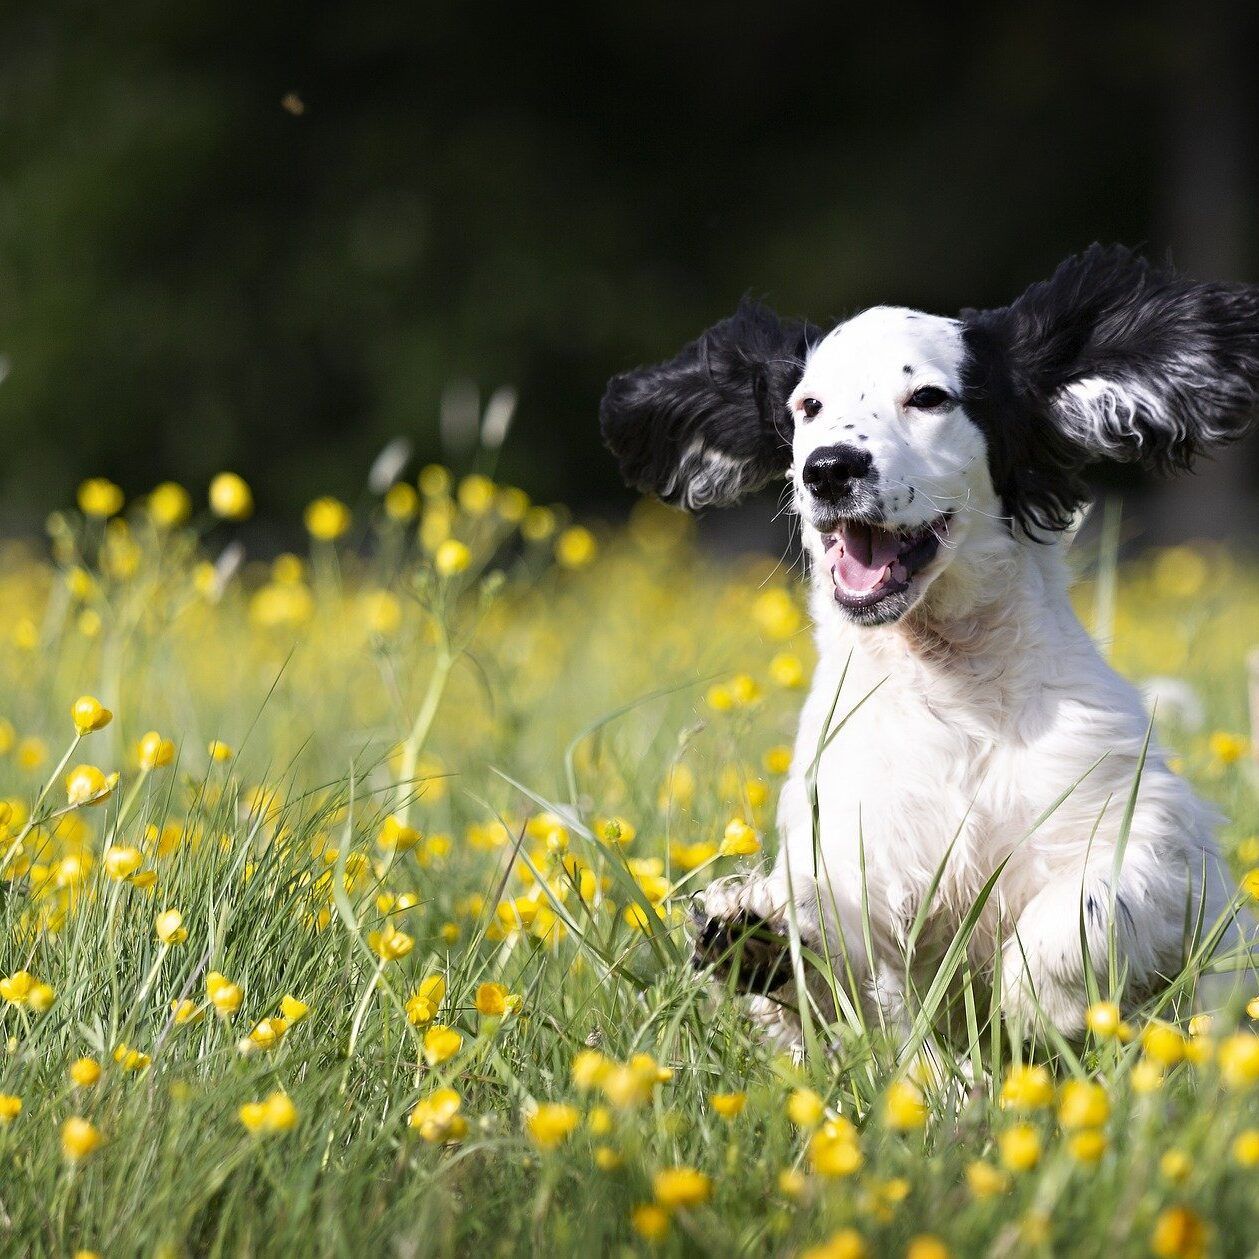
x=902, y=782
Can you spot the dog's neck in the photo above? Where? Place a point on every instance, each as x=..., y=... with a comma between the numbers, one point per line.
x=982, y=641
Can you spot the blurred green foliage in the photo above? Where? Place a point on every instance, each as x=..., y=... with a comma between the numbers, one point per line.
x=193, y=276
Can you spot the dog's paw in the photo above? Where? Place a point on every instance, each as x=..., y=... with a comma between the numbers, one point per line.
x=739, y=931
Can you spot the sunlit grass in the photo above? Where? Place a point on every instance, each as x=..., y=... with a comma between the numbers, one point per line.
x=376, y=944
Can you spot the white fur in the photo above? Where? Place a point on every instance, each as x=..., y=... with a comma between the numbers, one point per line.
x=988, y=700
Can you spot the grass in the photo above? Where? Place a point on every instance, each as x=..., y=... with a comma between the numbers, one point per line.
x=509, y=761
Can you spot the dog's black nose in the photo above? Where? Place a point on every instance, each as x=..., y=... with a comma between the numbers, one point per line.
x=829, y=470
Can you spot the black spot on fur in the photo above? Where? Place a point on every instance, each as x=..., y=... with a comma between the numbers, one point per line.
x=744, y=946
x=1182, y=358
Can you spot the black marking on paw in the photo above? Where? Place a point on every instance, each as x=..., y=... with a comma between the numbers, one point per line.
x=744, y=946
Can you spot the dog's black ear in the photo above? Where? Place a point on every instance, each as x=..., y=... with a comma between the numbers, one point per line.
x=711, y=424
x=1112, y=360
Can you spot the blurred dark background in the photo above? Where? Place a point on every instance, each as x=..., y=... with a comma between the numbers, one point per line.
x=196, y=273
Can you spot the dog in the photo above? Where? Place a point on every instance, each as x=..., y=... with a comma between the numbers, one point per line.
x=961, y=726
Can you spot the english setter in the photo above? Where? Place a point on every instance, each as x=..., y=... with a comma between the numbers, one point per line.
x=961, y=721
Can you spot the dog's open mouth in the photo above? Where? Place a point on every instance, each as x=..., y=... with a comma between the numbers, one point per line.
x=868, y=563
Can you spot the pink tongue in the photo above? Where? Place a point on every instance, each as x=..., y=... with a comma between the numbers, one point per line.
x=860, y=555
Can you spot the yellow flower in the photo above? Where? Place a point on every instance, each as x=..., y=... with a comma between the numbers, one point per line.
x=805, y=1108
x=121, y=862
x=719, y=698
x=89, y=714
x=787, y=670
x=1087, y=1145
x=833, y=1149
x=85, y=784
x=676, y=1188
x=1227, y=748
x=1027, y=1088
x=396, y=836
x=1175, y=1166
x=224, y=995
x=1239, y=1060
x=615, y=830
x=1082, y=1105
x=152, y=752
x=131, y=1059
x=576, y=547
x=423, y=1004
x=293, y=1009
x=1020, y=1147
x=538, y=524
x=739, y=839
x=230, y=497
x=441, y=1043
x=1146, y=1077
x=41, y=997
x=79, y=1138
x=926, y=1246
x=589, y=1069
x=434, y=480
x=169, y=505
x=777, y=760
x=552, y=1124
x=728, y=1105
x=606, y=1158
x=1250, y=883
x=1103, y=1020
x=219, y=751
x=903, y=1107
x=16, y=988
x=492, y=1000
x=268, y=1033
x=169, y=925
x=436, y=1117
x=1162, y=1044
x=31, y=753
x=847, y=1243
x=476, y=494
x=10, y=1108
x=744, y=690
x=1179, y=1234
x=327, y=519
x=185, y=1011
x=100, y=498
x=451, y=558
x=1246, y=1148
x=84, y=1072
x=275, y=1113
x=986, y=1181
x=650, y=1222
x=390, y=944
x=401, y=502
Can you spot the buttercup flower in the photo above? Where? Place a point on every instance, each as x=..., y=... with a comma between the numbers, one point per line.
x=224, y=995
x=423, y=1004
x=230, y=497
x=100, y=498
x=1020, y=1147
x=152, y=752
x=436, y=1117
x=10, y=1108
x=327, y=519
x=89, y=714
x=451, y=558
x=728, y=1105
x=1027, y=1088
x=677, y=1188
x=84, y=1072
x=169, y=925
x=293, y=1009
x=552, y=1124
x=169, y=505
x=85, y=784
x=80, y=1138
x=441, y=1044
x=1083, y=1105
x=275, y=1113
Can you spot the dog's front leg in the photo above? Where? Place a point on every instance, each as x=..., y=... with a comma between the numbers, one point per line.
x=742, y=928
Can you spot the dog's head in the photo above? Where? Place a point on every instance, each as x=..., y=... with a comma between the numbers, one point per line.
x=914, y=442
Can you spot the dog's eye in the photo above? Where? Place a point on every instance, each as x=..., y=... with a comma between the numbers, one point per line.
x=810, y=407
x=928, y=398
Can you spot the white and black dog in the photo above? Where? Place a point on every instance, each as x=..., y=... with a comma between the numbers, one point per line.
x=937, y=466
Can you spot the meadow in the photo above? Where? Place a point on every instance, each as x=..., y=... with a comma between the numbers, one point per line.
x=344, y=909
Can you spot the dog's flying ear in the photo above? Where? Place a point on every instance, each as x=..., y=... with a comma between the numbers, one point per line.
x=711, y=424
x=1111, y=360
